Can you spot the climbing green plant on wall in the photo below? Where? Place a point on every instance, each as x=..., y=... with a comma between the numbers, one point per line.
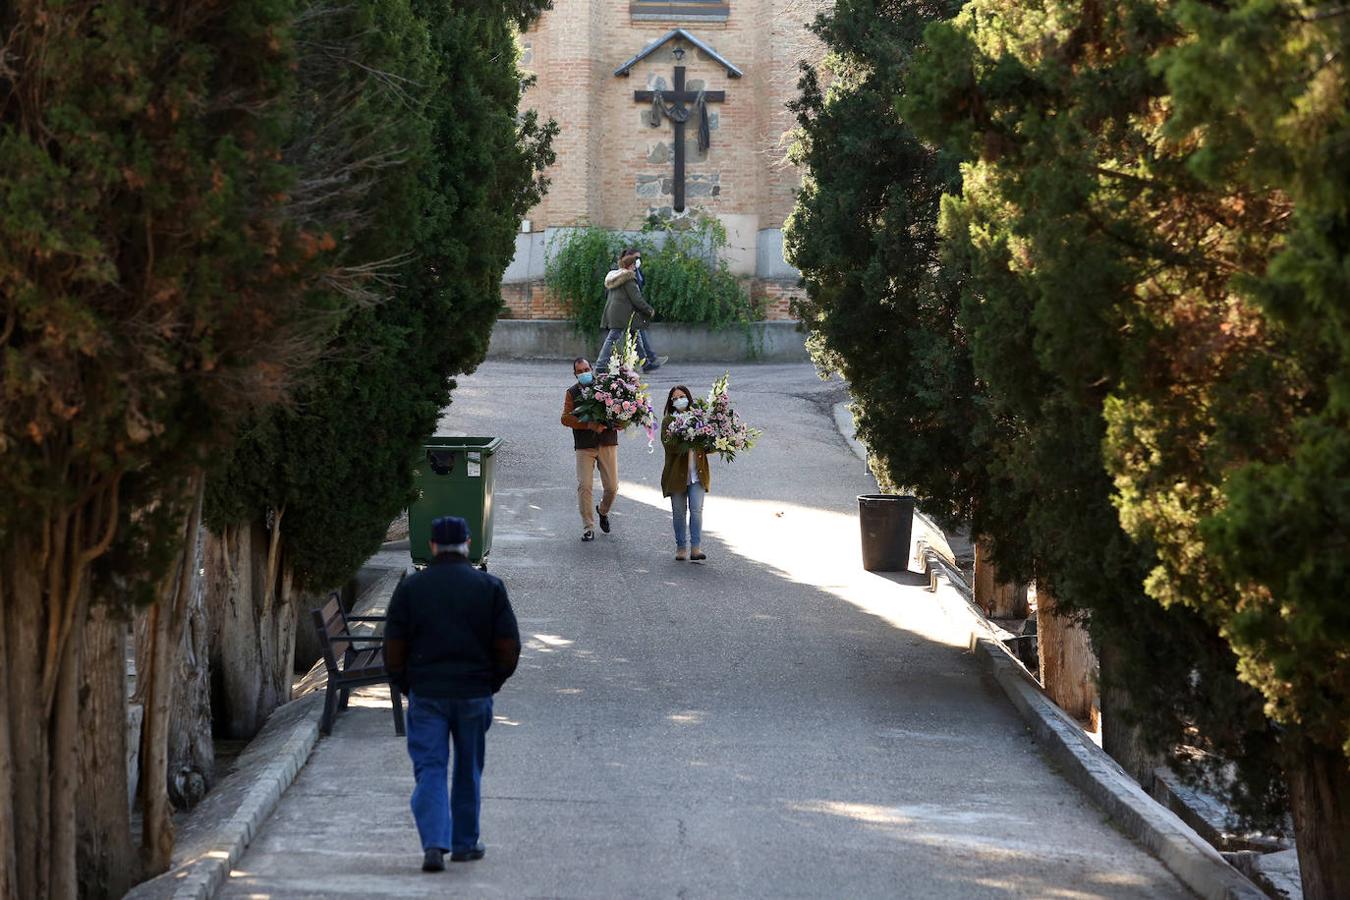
x=577, y=262
x=687, y=277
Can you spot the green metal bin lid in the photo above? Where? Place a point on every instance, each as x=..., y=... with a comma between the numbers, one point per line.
x=487, y=445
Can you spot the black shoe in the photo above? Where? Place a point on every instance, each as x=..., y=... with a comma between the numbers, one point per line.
x=588, y=535
x=469, y=855
x=434, y=860
x=697, y=555
x=604, y=521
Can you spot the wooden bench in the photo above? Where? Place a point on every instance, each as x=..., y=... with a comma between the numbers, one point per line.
x=351, y=666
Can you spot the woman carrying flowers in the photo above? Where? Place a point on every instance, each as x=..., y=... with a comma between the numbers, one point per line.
x=685, y=478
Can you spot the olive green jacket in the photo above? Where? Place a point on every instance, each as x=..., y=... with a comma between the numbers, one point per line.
x=624, y=300
x=675, y=473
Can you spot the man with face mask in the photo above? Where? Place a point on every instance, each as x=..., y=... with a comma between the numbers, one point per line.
x=597, y=447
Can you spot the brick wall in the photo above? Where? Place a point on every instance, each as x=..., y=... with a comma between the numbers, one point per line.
x=776, y=298
x=532, y=300
x=613, y=167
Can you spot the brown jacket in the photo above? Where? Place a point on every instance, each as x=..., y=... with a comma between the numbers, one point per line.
x=675, y=473
x=585, y=435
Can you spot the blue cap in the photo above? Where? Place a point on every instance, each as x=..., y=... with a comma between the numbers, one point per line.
x=447, y=531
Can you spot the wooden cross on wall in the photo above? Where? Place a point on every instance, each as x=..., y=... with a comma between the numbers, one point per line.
x=679, y=112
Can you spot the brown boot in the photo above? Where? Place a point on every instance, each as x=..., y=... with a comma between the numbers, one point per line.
x=697, y=555
x=681, y=554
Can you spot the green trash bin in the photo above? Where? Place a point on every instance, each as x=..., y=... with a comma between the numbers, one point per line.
x=453, y=477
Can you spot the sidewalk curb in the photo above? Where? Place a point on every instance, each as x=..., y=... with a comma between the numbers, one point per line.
x=213, y=839
x=1089, y=768
x=239, y=804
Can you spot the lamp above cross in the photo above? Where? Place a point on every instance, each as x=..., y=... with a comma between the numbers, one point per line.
x=680, y=104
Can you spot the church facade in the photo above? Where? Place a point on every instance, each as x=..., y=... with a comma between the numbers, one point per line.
x=669, y=108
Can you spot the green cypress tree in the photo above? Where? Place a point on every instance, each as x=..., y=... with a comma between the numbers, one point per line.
x=1229, y=438
x=153, y=288
x=1169, y=180
x=1049, y=101
x=1016, y=444
x=880, y=308
x=309, y=494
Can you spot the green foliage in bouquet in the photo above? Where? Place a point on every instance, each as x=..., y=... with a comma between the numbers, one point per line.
x=711, y=425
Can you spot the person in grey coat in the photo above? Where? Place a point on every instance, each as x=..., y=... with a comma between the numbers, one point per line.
x=624, y=308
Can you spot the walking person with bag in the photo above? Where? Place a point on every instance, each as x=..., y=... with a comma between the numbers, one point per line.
x=685, y=479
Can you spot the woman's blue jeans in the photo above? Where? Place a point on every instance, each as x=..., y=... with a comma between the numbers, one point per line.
x=690, y=505
x=447, y=819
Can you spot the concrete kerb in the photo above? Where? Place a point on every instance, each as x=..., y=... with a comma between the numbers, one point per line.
x=776, y=341
x=1195, y=863
x=214, y=836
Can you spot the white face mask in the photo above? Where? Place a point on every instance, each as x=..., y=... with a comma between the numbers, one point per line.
x=638, y=264
x=681, y=403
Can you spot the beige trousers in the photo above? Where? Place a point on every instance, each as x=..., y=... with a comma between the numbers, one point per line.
x=606, y=459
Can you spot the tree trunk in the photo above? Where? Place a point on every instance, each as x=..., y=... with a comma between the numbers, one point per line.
x=1067, y=663
x=8, y=874
x=105, y=854
x=23, y=627
x=998, y=599
x=191, y=755
x=44, y=604
x=252, y=616
x=159, y=639
x=1121, y=738
x=1319, y=795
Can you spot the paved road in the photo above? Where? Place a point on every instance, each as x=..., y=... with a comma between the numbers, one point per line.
x=774, y=723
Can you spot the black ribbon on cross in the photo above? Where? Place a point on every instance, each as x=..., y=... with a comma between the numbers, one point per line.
x=680, y=115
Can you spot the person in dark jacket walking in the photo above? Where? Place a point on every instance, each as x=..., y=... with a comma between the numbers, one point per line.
x=685, y=479
x=651, y=362
x=597, y=447
x=450, y=642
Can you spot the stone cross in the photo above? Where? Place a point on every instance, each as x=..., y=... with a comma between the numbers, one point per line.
x=679, y=113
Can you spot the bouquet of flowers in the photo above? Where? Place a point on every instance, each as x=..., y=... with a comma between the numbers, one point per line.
x=712, y=425
x=618, y=397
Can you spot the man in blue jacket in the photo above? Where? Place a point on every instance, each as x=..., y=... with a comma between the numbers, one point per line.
x=451, y=641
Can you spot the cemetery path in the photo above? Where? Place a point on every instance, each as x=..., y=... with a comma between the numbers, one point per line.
x=773, y=723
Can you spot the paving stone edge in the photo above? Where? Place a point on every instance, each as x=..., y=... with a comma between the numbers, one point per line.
x=1195, y=863
x=240, y=803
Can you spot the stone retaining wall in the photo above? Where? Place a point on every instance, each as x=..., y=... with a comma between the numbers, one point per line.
x=533, y=300
x=543, y=339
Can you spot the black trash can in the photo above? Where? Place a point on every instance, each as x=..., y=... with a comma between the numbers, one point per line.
x=886, y=520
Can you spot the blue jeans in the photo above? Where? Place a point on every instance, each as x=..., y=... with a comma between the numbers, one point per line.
x=645, y=350
x=447, y=819
x=614, y=336
x=690, y=504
